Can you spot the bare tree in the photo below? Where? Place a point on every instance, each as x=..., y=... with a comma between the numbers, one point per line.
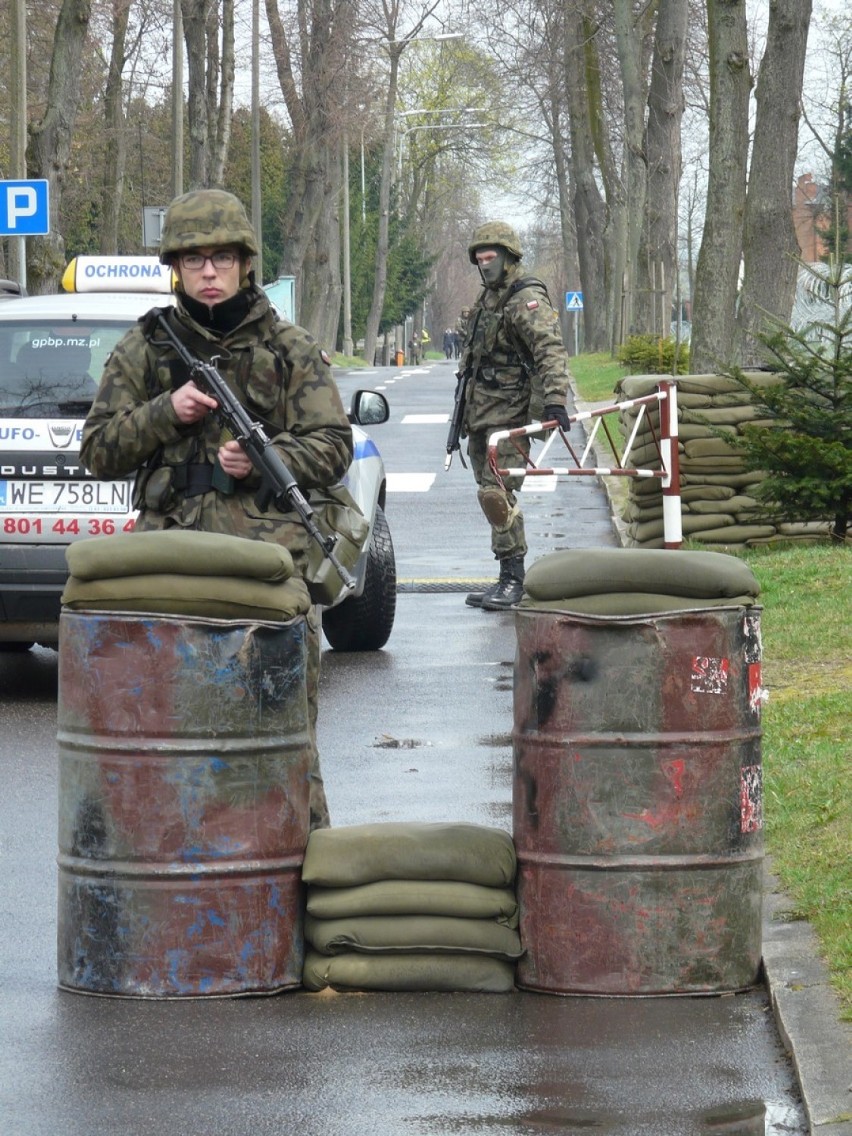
x=115, y=163
x=210, y=74
x=717, y=271
x=590, y=212
x=770, y=247
x=51, y=138
x=393, y=13
x=656, y=270
x=311, y=48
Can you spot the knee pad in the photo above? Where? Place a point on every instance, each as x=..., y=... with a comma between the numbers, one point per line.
x=496, y=508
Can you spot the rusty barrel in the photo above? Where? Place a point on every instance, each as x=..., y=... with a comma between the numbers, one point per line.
x=184, y=751
x=637, y=801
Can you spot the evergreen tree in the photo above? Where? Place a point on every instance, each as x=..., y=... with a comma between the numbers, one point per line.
x=806, y=453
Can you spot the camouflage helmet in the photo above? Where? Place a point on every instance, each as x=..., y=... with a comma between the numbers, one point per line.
x=495, y=234
x=205, y=217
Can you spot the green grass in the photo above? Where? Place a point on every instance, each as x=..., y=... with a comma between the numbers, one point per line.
x=596, y=376
x=807, y=671
x=807, y=647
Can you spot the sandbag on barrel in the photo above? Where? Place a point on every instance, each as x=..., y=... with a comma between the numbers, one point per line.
x=178, y=552
x=209, y=597
x=177, y=572
x=591, y=571
x=361, y=854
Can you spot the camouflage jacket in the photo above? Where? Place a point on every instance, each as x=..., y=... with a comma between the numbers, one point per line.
x=516, y=356
x=279, y=374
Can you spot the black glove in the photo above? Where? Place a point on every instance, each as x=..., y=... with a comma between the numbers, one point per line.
x=553, y=412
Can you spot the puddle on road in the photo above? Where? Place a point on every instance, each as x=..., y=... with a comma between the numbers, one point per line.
x=737, y=1118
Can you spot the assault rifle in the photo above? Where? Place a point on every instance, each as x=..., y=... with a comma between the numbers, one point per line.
x=457, y=419
x=277, y=482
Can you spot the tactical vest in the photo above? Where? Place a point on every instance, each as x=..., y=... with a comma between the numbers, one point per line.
x=485, y=351
x=156, y=482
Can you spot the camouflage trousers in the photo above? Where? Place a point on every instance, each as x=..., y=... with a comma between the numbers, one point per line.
x=498, y=501
x=319, y=815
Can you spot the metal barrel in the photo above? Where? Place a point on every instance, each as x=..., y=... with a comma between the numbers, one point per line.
x=637, y=801
x=184, y=753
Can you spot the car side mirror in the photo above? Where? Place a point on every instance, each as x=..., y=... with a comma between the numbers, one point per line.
x=368, y=408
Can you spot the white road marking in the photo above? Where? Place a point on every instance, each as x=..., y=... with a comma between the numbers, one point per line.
x=424, y=419
x=544, y=484
x=410, y=482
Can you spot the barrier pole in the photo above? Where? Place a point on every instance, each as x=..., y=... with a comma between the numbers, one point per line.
x=672, y=522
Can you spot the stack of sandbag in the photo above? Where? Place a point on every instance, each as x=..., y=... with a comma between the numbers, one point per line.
x=185, y=573
x=717, y=502
x=637, y=581
x=410, y=906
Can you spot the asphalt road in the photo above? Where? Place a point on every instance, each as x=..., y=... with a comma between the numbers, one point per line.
x=418, y=731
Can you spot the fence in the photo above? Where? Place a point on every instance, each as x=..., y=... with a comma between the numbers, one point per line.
x=665, y=442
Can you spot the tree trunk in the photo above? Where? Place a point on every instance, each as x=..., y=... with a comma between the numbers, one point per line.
x=634, y=161
x=589, y=206
x=322, y=289
x=116, y=150
x=50, y=140
x=195, y=33
x=374, y=316
x=658, y=262
x=310, y=228
x=770, y=247
x=222, y=109
x=717, y=271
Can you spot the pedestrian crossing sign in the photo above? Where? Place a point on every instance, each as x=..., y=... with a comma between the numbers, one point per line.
x=573, y=301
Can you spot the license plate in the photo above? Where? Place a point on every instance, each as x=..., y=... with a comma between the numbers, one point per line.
x=65, y=496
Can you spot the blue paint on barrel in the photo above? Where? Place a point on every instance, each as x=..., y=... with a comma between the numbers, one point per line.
x=184, y=754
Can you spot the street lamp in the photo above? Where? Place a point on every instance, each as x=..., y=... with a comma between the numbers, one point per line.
x=434, y=126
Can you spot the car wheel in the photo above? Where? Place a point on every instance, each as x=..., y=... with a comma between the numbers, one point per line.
x=364, y=623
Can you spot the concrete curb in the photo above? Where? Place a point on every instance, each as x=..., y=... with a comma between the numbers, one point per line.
x=807, y=1012
x=805, y=1007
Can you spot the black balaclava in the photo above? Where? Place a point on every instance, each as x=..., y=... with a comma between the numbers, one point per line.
x=494, y=273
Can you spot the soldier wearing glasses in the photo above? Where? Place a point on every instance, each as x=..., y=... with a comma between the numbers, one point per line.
x=149, y=416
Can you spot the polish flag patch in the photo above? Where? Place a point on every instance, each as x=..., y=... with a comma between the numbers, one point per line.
x=325, y=357
x=532, y=305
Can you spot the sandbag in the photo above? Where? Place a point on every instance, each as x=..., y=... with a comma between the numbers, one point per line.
x=178, y=552
x=211, y=597
x=421, y=972
x=722, y=416
x=364, y=853
x=631, y=603
x=690, y=523
x=735, y=534
x=735, y=504
x=415, y=897
x=415, y=933
x=712, y=447
x=591, y=571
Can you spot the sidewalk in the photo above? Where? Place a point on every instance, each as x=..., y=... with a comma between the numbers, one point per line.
x=806, y=1008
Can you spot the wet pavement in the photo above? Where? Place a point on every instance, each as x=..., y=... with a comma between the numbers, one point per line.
x=420, y=732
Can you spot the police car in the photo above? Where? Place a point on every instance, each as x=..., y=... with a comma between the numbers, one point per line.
x=52, y=353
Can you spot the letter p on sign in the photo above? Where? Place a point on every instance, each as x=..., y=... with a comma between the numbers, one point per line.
x=24, y=208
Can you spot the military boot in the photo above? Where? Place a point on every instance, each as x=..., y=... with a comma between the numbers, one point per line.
x=510, y=586
x=474, y=599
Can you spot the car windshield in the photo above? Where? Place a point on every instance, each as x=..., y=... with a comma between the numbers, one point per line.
x=52, y=369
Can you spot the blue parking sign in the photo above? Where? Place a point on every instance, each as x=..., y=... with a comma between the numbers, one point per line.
x=24, y=208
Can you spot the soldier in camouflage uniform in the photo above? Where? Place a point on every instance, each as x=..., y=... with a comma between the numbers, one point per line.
x=516, y=361
x=149, y=416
